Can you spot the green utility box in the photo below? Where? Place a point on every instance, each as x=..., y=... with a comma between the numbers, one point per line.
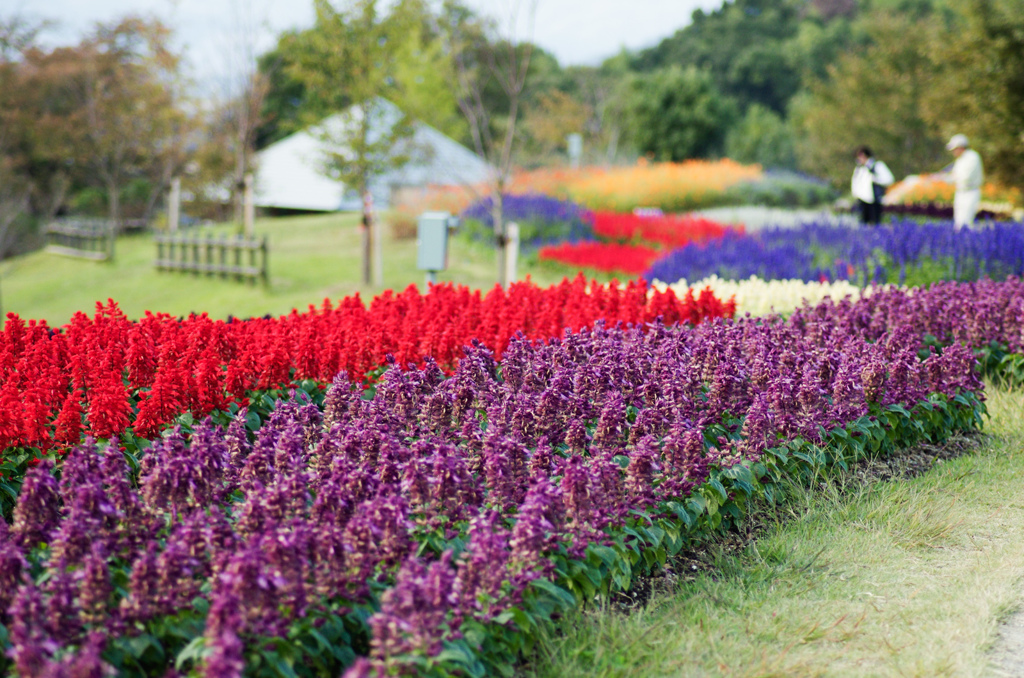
x=432, y=240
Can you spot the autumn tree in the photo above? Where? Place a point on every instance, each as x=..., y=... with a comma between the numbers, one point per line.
x=129, y=95
x=555, y=116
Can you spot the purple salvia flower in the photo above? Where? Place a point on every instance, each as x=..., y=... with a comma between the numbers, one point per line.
x=224, y=623
x=88, y=662
x=95, y=589
x=758, y=430
x=539, y=518
x=377, y=533
x=37, y=512
x=542, y=459
x=611, y=425
x=13, y=570
x=413, y=613
x=338, y=401
x=366, y=668
x=415, y=485
x=576, y=437
x=456, y=491
x=237, y=439
x=31, y=646
x=81, y=467
x=211, y=459
x=142, y=601
x=872, y=378
x=643, y=463
x=482, y=567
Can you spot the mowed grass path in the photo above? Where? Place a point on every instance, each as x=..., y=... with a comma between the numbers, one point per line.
x=903, y=578
x=311, y=258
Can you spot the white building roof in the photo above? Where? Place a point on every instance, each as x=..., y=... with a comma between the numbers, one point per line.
x=290, y=173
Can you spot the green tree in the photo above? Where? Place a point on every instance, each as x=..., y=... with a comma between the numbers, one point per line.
x=419, y=73
x=491, y=72
x=679, y=114
x=743, y=46
x=762, y=137
x=979, y=88
x=348, y=68
x=872, y=96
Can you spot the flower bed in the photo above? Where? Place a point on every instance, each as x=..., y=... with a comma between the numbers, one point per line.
x=636, y=241
x=664, y=230
x=435, y=524
x=609, y=257
x=762, y=297
x=106, y=374
x=542, y=220
x=901, y=252
x=674, y=187
x=986, y=315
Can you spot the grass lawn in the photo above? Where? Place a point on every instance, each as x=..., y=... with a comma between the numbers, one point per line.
x=901, y=578
x=311, y=258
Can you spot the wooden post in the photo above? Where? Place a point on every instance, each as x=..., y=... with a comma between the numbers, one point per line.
x=238, y=257
x=249, y=213
x=174, y=205
x=265, y=269
x=378, y=251
x=252, y=262
x=367, y=201
x=511, y=251
x=111, y=235
x=223, y=257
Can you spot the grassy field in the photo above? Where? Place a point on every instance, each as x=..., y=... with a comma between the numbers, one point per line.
x=311, y=258
x=902, y=578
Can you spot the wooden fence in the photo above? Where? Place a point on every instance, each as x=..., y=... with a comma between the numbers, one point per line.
x=82, y=238
x=239, y=258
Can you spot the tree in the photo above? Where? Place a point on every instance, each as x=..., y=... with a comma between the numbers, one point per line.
x=555, y=116
x=128, y=95
x=979, y=85
x=679, y=114
x=873, y=96
x=486, y=61
x=761, y=137
x=742, y=45
x=347, y=63
x=247, y=90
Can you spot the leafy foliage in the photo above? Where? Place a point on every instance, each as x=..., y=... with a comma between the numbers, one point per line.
x=679, y=114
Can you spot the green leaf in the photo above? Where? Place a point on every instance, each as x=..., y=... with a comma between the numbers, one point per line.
x=719, y=489
x=454, y=654
x=566, y=599
x=698, y=504
x=139, y=644
x=607, y=554
x=194, y=651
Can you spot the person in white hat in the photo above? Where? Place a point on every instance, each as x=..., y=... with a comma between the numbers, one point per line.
x=967, y=175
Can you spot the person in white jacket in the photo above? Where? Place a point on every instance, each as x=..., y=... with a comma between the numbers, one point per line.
x=967, y=175
x=870, y=179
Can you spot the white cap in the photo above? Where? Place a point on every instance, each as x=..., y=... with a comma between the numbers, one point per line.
x=958, y=141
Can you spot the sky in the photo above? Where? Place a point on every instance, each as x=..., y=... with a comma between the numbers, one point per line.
x=577, y=32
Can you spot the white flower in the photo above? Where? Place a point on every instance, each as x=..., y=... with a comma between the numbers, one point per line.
x=761, y=297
